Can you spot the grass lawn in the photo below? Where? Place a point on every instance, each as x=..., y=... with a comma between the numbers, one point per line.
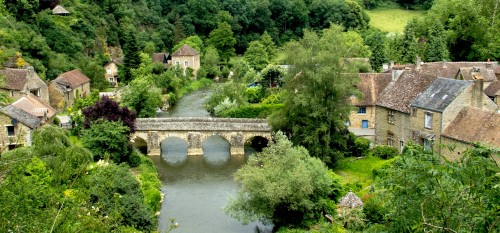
x=360, y=171
x=392, y=20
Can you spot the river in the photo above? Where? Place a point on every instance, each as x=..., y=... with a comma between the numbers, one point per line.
x=196, y=188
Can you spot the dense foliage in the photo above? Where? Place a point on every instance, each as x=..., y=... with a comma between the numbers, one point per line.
x=109, y=110
x=285, y=186
x=54, y=186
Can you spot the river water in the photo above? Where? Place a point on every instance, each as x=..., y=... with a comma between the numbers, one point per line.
x=196, y=188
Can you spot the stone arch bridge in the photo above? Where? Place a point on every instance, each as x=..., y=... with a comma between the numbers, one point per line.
x=194, y=130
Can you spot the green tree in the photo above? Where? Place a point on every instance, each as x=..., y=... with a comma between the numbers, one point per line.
x=222, y=39
x=256, y=55
x=425, y=193
x=436, y=45
x=22, y=9
x=131, y=53
x=283, y=185
x=142, y=97
x=318, y=85
x=194, y=41
x=376, y=40
x=210, y=62
x=267, y=41
x=410, y=47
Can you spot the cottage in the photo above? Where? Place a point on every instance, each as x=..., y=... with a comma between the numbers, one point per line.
x=111, y=74
x=434, y=109
x=67, y=87
x=19, y=82
x=162, y=58
x=362, y=119
x=187, y=57
x=36, y=107
x=18, y=126
x=470, y=126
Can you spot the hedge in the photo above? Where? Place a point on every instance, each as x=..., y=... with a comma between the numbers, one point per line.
x=251, y=111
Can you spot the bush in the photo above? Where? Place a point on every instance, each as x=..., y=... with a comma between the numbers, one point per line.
x=251, y=111
x=254, y=94
x=361, y=147
x=275, y=98
x=374, y=210
x=385, y=152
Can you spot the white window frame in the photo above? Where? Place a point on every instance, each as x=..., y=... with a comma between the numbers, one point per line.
x=390, y=139
x=391, y=117
x=362, y=110
x=186, y=64
x=428, y=120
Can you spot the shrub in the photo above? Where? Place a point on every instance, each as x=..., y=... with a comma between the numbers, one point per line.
x=374, y=210
x=275, y=98
x=361, y=147
x=385, y=152
x=254, y=94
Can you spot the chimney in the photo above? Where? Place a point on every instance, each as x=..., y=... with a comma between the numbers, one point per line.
x=477, y=93
x=391, y=65
x=31, y=70
x=444, y=64
x=396, y=73
x=489, y=65
x=418, y=62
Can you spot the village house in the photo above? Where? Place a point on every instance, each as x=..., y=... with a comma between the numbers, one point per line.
x=362, y=118
x=434, y=109
x=471, y=125
x=67, y=87
x=162, y=58
x=111, y=72
x=60, y=10
x=393, y=109
x=187, y=57
x=19, y=82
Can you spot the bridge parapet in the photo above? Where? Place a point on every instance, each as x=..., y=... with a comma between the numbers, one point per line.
x=194, y=130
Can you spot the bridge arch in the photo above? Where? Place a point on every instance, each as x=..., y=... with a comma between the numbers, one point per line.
x=196, y=130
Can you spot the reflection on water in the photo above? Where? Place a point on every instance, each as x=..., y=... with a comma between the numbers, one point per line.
x=197, y=188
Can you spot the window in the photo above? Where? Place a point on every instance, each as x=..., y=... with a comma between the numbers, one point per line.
x=390, y=139
x=35, y=92
x=11, y=93
x=391, y=117
x=364, y=124
x=67, y=96
x=111, y=80
x=427, y=144
x=362, y=110
x=108, y=70
x=10, y=130
x=177, y=63
x=186, y=64
x=428, y=120
x=401, y=146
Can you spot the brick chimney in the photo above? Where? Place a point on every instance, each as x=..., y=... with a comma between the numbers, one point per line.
x=489, y=65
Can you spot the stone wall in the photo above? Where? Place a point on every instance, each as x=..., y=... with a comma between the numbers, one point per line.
x=418, y=127
x=22, y=133
x=400, y=128
x=356, y=119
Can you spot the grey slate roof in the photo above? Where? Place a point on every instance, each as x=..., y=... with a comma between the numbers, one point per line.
x=440, y=94
x=21, y=116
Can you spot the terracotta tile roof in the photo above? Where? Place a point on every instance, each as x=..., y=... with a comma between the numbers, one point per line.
x=72, y=79
x=21, y=116
x=15, y=79
x=440, y=94
x=493, y=89
x=475, y=125
x=59, y=10
x=450, y=69
x=399, y=94
x=371, y=85
x=35, y=106
x=186, y=50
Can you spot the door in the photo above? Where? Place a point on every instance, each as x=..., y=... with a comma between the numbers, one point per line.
x=364, y=124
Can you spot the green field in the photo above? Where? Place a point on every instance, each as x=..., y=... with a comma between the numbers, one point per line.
x=392, y=20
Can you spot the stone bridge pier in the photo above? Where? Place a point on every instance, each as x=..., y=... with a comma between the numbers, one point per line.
x=194, y=131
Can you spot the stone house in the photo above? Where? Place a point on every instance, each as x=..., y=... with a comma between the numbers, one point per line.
x=471, y=125
x=162, y=58
x=67, y=87
x=19, y=82
x=18, y=126
x=434, y=109
x=493, y=92
x=362, y=118
x=111, y=73
x=393, y=109
x=187, y=57
x=36, y=107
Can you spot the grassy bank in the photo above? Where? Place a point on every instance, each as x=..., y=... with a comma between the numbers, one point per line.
x=358, y=173
x=392, y=20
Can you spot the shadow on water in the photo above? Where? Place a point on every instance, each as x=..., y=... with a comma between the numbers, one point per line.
x=174, y=151
x=216, y=152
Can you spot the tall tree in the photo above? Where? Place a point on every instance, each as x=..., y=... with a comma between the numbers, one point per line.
x=131, y=53
x=376, y=40
x=436, y=45
x=285, y=186
x=222, y=39
x=256, y=55
x=318, y=86
x=267, y=41
x=410, y=50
